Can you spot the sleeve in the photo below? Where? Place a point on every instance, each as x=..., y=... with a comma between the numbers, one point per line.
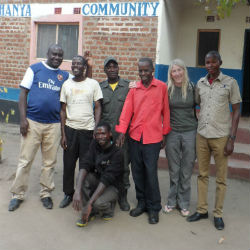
x=235, y=93
x=27, y=79
x=166, y=112
x=126, y=114
x=87, y=162
x=114, y=170
x=197, y=94
x=63, y=97
x=97, y=92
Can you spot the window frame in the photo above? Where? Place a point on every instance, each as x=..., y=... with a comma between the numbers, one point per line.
x=197, y=44
x=75, y=19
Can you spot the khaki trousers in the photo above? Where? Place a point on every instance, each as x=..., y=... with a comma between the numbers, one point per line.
x=48, y=137
x=204, y=148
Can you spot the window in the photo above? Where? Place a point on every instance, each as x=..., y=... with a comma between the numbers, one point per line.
x=65, y=35
x=207, y=40
x=62, y=29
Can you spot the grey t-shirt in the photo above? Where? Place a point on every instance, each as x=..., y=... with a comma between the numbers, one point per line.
x=182, y=111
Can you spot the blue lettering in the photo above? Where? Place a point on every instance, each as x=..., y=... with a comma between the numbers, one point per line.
x=132, y=7
x=154, y=7
x=8, y=12
x=124, y=8
x=83, y=9
x=145, y=5
x=93, y=9
x=113, y=9
x=28, y=10
x=22, y=9
x=103, y=11
x=1, y=9
x=15, y=10
x=139, y=9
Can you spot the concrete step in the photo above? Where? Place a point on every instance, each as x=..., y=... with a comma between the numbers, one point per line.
x=239, y=161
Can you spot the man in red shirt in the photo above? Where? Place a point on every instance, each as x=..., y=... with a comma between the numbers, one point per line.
x=146, y=113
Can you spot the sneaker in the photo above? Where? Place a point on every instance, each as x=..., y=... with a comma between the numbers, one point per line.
x=107, y=216
x=185, y=212
x=168, y=209
x=84, y=223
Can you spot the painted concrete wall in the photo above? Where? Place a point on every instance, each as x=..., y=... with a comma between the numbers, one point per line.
x=180, y=22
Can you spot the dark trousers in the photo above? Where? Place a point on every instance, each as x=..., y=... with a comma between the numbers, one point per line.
x=78, y=142
x=144, y=158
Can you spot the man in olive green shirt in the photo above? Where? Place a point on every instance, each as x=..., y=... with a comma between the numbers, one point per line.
x=115, y=90
x=216, y=133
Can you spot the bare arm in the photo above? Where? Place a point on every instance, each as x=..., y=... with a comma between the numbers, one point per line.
x=63, y=121
x=77, y=198
x=88, y=208
x=98, y=112
x=88, y=57
x=24, y=124
x=228, y=150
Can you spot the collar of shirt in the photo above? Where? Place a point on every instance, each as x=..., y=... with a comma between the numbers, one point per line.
x=141, y=86
x=120, y=83
x=218, y=79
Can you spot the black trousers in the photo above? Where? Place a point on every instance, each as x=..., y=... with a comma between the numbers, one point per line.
x=144, y=158
x=78, y=142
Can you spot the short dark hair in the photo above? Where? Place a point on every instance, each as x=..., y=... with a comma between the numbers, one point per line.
x=83, y=60
x=55, y=45
x=214, y=53
x=148, y=60
x=105, y=125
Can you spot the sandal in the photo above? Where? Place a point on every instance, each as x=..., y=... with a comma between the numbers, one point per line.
x=167, y=209
x=184, y=212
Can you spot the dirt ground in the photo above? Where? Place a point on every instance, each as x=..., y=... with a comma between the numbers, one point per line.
x=34, y=227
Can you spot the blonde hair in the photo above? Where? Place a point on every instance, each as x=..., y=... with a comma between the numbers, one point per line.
x=185, y=82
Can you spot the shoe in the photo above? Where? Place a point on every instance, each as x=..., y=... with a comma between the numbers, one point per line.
x=184, y=212
x=197, y=216
x=123, y=202
x=218, y=223
x=153, y=217
x=47, y=202
x=84, y=223
x=167, y=209
x=66, y=201
x=14, y=204
x=107, y=216
x=137, y=211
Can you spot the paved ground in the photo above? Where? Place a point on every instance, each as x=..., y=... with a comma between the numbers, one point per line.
x=34, y=227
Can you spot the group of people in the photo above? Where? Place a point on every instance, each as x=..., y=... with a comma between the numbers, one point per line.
x=108, y=125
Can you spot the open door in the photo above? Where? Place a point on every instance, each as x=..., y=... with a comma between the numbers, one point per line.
x=246, y=75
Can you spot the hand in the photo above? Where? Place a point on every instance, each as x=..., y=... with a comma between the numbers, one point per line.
x=64, y=142
x=163, y=143
x=86, y=212
x=132, y=85
x=120, y=140
x=24, y=125
x=77, y=201
x=229, y=148
x=88, y=57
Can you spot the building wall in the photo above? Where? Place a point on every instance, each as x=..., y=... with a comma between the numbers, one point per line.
x=127, y=38
x=185, y=27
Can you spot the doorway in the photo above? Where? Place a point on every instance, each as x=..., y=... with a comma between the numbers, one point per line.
x=246, y=75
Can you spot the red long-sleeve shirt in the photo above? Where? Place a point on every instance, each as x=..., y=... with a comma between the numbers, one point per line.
x=148, y=111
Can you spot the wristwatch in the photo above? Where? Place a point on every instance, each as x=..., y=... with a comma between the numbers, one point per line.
x=232, y=137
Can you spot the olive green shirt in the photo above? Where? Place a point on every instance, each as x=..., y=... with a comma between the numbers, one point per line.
x=214, y=120
x=182, y=116
x=112, y=102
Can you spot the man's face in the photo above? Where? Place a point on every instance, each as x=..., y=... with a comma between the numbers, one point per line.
x=212, y=64
x=103, y=136
x=55, y=57
x=77, y=67
x=112, y=70
x=145, y=72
